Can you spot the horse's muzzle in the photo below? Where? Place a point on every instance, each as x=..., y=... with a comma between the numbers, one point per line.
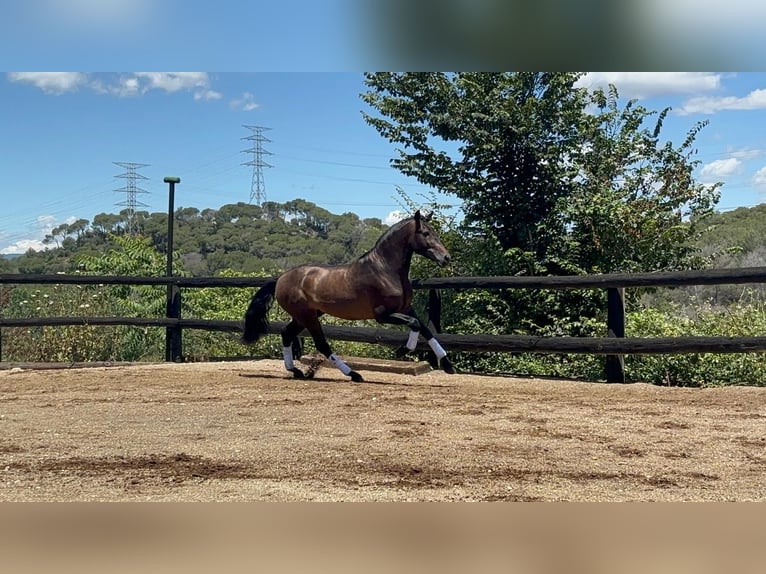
x=442, y=259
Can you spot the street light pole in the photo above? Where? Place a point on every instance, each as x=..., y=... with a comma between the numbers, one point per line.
x=173, y=308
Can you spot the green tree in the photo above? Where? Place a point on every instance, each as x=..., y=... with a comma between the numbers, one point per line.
x=635, y=205
x=133, y=256
x=7, y=265
x=500, y=142
x=105, y=224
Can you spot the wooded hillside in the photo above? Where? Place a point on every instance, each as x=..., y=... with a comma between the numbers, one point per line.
x=241, y=237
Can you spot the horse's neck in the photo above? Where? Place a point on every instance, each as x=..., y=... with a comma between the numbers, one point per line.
x=404, y=270
x=392, y=258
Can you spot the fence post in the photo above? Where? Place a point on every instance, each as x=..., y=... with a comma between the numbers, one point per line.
x=615, y=326
x=173, y=342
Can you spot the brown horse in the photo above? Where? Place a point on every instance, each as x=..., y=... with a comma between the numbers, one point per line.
x=374, y=286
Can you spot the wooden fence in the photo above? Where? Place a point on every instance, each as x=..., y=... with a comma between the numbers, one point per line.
x=614, y=346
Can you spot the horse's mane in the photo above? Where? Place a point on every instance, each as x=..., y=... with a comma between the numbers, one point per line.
x=391, y=230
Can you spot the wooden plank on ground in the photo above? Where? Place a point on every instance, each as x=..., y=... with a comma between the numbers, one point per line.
x=384, y=365
x=42, y=366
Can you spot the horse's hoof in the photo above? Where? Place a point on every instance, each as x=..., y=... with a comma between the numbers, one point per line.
x=401, y=352
x=356, y=377
x=297, y=373
x=447, y=366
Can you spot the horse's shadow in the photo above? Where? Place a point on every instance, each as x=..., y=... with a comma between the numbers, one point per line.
x=327, y=380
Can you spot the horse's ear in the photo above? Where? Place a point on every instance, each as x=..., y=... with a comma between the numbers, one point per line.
x=429, y=214
x=417, y=218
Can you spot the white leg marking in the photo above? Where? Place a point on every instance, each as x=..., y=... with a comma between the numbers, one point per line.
x=412, y=341
x=437, y=349
x=288, y=353
x=344, y=368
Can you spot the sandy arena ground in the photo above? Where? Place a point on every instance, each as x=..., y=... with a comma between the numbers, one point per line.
x=245, y=431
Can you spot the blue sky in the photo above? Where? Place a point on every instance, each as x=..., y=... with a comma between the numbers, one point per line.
x=61, y=133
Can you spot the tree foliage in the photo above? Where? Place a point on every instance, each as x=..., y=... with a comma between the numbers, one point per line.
x=497, y=141
x=635, y=205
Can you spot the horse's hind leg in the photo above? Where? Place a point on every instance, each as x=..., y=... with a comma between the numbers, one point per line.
x=315, y=328
x=289, y=343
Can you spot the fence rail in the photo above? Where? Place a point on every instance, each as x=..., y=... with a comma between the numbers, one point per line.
x=614, y=346
x=604, y=281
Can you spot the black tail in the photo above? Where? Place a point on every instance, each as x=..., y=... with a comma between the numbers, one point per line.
x=256, y=317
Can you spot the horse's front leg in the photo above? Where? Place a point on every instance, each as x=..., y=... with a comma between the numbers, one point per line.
x=417, y=328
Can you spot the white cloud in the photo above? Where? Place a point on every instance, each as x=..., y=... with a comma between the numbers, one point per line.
x=707, y=16
x=246, y=102
x=122, y=85
x=90, y=26
x=22, y=246
x=208, y=95
x=746, y=154
x=140, y=83
x=759, y=179
x=33, y=238
x=173, y=81
x=394, y=217
x=721, y=168
x=42, y=226
x=755, y=100
x=45, y=223
x=51, y=82
x=125, y=87
x=648, y=84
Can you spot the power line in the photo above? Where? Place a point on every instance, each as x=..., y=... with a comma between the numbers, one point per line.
x=336, y=151
x=258, y=186
x=342, y=164
x=51, y=207
x=353, y=179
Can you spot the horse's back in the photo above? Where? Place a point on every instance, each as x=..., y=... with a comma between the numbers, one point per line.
x=306, y=289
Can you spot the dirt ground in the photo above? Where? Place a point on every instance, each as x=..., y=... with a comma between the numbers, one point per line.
x=245, y=431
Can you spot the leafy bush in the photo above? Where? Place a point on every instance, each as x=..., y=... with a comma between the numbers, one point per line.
x=743, y=319
x=129, y=256
x=489, y=313
x=225, y=304
x=700, y=319
x=66, y=343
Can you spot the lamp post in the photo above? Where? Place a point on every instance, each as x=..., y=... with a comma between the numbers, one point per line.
x=173, y=307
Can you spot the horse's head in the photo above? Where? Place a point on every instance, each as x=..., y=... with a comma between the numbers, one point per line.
x=426, y=242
